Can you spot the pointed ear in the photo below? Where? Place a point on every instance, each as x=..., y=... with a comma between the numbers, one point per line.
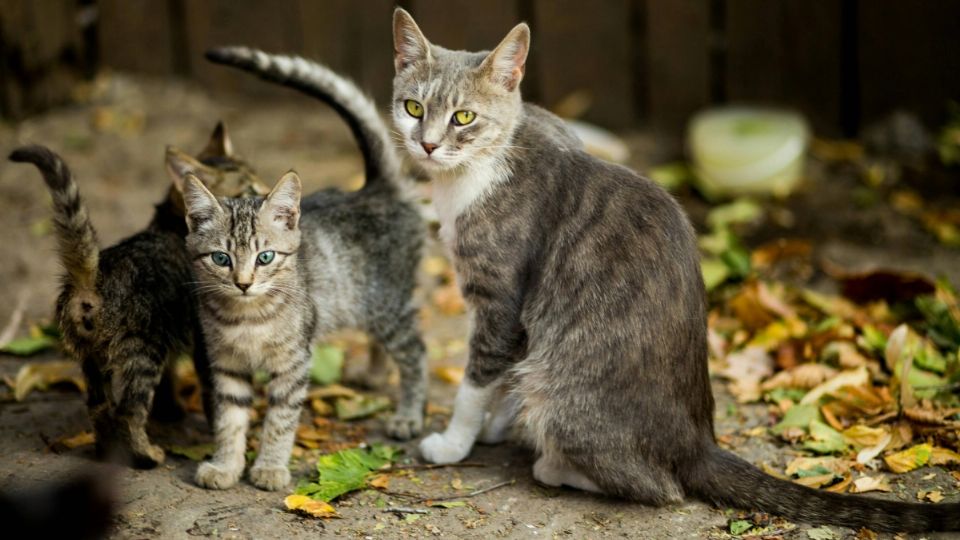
x=506, y=64
x=200, y=205
x=219, y=144
x=409, y=44
x=180, y=164
x=282, y=205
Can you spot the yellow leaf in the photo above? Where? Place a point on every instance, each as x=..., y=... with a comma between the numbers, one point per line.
x=909, y=459
x=853, y=377
x=449, y=374
x=870, y=483
x=933, y=496
x=448, y=300
x=435, y=266
x=943, y=456
x=305, y=504
x=321, y=407
x=861, y=435
x=80, y=439
x=41, y=375
x=380, y=481
x=832, y=464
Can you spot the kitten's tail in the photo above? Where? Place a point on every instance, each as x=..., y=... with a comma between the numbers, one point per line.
x=356, y=108
x=75, y=234
x=724, y=479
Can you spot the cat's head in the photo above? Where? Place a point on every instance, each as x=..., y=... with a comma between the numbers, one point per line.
x=220, y=169
x=454, y=107
x=244, y=247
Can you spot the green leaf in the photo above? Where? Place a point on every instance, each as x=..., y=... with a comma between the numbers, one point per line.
x=715, y=272
x=824, y=439
x=197, y=452
x=780, y=394
x=327, y=365
x=742, y=210
x=448, y=504
x=819, y=470
x=356, y=407
x=28, y=346
x=740, y=526
x=737, y=260
x=874, y=339
x=671, y=176
x=346, y=471
x=798, y=416
x=822, y=533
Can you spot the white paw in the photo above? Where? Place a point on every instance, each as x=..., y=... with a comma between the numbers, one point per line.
x=438, y=448
x=213, y=475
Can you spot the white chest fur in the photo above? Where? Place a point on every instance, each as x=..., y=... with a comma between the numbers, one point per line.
x=455, y=194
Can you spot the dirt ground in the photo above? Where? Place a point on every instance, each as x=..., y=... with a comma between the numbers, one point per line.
x=115, y=142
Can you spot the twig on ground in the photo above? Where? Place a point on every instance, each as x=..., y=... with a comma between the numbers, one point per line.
x=471, y=494
x=405, y=510
x=427, y=466
x=10, y=331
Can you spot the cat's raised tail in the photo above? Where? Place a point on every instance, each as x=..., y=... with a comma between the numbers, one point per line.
x=76, y=236
x=724, y=479
x=357, y=109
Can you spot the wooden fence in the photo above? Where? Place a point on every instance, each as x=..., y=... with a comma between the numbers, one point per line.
x=844, y=63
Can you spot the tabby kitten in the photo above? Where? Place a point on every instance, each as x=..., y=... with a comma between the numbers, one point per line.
x=276, y=274
x=588, y=304
x=128, y=310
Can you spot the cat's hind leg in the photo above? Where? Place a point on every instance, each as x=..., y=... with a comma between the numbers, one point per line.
x=402, y=341
x=166, y=408
x=375, y=374
x=137, y=376
x=552, y=471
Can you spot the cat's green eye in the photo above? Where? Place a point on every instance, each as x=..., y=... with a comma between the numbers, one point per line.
x=220, y=258
x=414, y=108
x=462, y=118
x=266, y=257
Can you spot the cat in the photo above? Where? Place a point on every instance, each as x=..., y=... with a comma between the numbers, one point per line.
x=126, y=311
x=276, y=273
x=588, y=305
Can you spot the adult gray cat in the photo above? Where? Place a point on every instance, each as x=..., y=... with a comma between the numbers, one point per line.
x=274, y=274
x=588, y=304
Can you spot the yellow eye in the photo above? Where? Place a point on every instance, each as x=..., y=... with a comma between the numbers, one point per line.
x=414, y=109
x=462, y=118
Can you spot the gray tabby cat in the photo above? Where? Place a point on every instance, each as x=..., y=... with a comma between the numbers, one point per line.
x=276, y=274
x=589, y=315
x=126, y=311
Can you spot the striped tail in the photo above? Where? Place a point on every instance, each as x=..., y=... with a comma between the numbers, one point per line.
x=356, y=108
x=75, y=234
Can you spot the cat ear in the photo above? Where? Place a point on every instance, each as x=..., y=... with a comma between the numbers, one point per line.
x=219, y=144
x=180, y=164
x=200, y=205
x=409, y=44
x=282, y=205
x=505, y=65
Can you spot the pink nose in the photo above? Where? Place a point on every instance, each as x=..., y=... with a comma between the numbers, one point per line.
x=429, y=147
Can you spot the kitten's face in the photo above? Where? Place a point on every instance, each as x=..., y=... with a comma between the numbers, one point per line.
x=453, y=107
x=244, y=248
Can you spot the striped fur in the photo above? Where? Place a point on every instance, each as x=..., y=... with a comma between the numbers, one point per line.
x=589, y=310
x=125, y=313
x=313, y=79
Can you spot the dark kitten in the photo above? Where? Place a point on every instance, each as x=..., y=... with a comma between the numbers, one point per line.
x=588, y=302
x=127, y=311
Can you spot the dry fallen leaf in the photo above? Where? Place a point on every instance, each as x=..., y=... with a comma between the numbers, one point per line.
x=933, y=496
x=865, y=484
x=803, y=376
x=919, y=456
x=435, y=266
x=449, y=374
x=448, y=300
x=746, y=369
x=380, y=481
x=84, y=438
x=854, y=377
x=321, y=407
x=302, y=503
x=41, y=375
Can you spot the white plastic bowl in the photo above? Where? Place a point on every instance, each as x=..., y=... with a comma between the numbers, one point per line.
x=741, y=151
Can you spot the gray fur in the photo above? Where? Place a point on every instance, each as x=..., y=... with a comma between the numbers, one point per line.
x=588, y=303
x=343, y=260
x=129, y=310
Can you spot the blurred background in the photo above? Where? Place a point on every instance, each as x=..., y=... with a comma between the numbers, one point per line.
x=627, y=63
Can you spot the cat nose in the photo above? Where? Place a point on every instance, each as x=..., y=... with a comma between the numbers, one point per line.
x=429, y=147
x=242, y=286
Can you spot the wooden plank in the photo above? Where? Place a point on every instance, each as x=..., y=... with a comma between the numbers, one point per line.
x=678, y=56
x=909, y=58
x=42, y=55
x=773, y=57
x=466, y=24
x=585, y=47
x=136, y=35
x=373, y=48
x=270, y=26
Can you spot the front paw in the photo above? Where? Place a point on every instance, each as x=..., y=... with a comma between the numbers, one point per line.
x=148, y=456
x=270, y=477
x=439, y=448
x=404, y=426
x=213, y=475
